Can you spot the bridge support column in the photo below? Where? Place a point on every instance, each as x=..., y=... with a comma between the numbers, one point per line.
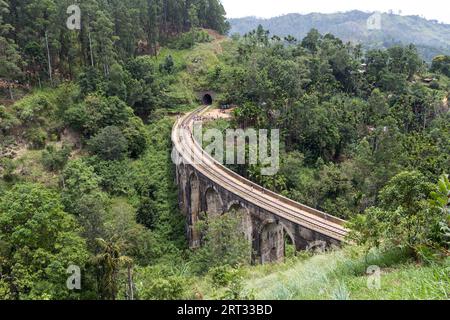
x=194, y=209
x=270, y=243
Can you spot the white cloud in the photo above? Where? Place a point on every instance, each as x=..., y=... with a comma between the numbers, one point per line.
x=430, y=9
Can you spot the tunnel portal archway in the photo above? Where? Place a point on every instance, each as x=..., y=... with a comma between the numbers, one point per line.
x=207, y=99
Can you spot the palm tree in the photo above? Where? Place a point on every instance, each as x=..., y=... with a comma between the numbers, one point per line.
x=109, y=262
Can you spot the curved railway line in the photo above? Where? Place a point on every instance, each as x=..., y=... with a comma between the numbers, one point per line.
x=188, y=149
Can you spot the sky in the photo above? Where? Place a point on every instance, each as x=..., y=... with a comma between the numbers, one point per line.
x=430, y=9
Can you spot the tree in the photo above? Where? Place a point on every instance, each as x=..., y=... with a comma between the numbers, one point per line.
x=441, y=64
x=403, y=218
x=103, y=39
x=223, y=243
x=78, y=179
x=137, y=242
x=90, y=210
x=109, y=144
x=109, y=262
x=39, y=241
x=10, y=59
x=116, y=82
x=55, y=160
x=168, y=65
x=211, y=14
x=116, y=177
x=147, y=213
x=377, y=108
x=97, y=112
x=312, y=41
x=440, y=200
x=137, y=137
x=111, y=31
x=89, y=80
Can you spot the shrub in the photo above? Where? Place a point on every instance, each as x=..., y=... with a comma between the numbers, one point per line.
x=222, y=276
x=76, y=117
x=441, y=64
x=440, y=201
x=7, y=168
x=36, y=137
x=147, y=214
x=97, y=112
x=158, y=283
x=168, y=288
x=79, y=179
x=223, y=243
x=435, y=85
x=137, y=137
x=116, y=177
x=168, y=66
x=34, y=109
x=109, y=144
x=189, y=39
x=7, y=120
x=232, y=280
x=55, y=160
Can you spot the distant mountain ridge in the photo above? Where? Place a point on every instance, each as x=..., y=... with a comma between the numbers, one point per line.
x=430, y=36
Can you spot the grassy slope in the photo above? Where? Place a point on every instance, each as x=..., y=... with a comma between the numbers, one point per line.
x=193, y=66
x=342, y=275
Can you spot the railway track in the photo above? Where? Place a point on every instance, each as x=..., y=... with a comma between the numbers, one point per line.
x=190, y=150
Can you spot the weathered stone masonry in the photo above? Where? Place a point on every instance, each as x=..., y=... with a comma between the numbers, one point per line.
x=266, y=231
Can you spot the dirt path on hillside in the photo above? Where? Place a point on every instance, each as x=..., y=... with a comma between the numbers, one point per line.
x=215, y=114
x=218, y=39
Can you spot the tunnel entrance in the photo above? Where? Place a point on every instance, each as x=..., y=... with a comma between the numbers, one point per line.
x=207, y=99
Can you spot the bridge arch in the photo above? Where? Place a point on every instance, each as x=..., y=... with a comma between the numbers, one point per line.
x=290, y=245
x=271, y=242
x=236, y=204
x=213, y=201
x=246, y=218
x=288, y=234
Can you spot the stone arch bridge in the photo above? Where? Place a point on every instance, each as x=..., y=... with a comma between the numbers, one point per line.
x=268, y=219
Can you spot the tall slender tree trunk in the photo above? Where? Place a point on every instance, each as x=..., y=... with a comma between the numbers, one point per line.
x=130, y=283
x=90, y=49
x=48, y=58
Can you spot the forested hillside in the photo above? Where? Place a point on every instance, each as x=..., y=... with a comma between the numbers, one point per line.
x=87, y=183
x=365, y=136
x=369, y=115
x=37, y=46
x=86, y=178
x=430, y=37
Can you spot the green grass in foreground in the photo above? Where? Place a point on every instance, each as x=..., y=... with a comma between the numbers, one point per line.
x=342, y=275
